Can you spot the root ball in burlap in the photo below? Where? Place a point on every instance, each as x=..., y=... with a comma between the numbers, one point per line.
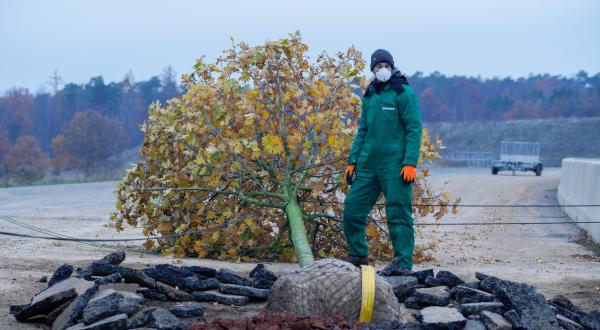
x=331, y=287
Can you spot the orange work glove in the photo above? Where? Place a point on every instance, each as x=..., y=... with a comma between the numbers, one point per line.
x=349, y=173
x=409, y=173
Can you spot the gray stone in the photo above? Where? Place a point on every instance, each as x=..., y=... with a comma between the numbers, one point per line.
x=155, y=317
x=403, y=286
x=114, y=258
x=431, y=281
x=261, y=283
x=109, y=302
x=115, y=322
x=262, y=278
x=240, y=290
x=71, y=314
x=437, y=296
x=401, y=281
x=208, y=284
x=409, y=292
x=534, y=309
x=568, y=324
x=494, y=321
x=225, y=275
x=164, y=277
x=136, y=276
x=566, y=308
x=46, y=305
x=126, y=287
x=103, y=304
x=129, y=305
x=131, y=295
x=169, y=274
x=411, y=302
x=98, y=268
x=472, y=285
x=514, y=319
x=53, y=315
x=216, y=296
x=152, y=294
x=566, y=313
x=195, y=283
x=187, y=309
x=84, y=273
x=78, y=284
x=421, y=275
x=163, y=319
x=43, y=279
x=200, y=270
x=435, y=317
x=60, y=274
x=474, y=325
x=449, y=278
x=171, y=292
x=260, y=272
x=465, y=295
x=141, y=318
x=476, y=308
x=112, y=278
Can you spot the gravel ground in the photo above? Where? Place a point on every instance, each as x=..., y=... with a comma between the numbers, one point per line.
x=550, y=256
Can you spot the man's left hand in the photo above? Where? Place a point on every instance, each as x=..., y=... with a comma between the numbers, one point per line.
x=409, y=173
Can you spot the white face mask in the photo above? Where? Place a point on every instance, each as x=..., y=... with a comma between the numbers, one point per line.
x=383, y=74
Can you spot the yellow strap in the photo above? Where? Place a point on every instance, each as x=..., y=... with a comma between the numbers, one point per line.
x=368, y=293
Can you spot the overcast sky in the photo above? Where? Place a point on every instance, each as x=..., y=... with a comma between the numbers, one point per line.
x=83, y=39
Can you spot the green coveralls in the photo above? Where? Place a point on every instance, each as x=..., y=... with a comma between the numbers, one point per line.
x=389, y=136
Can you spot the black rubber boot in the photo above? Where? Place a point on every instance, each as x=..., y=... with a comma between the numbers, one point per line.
x=394, y=269
x=356, y=260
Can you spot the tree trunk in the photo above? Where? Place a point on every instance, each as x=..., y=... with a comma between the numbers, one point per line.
x=298, y=232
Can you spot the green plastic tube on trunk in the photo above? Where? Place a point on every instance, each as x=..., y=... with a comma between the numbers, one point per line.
x=298, y=233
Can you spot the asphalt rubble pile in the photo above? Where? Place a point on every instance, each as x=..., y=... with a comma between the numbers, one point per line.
x=107, y=295
x=443, y=300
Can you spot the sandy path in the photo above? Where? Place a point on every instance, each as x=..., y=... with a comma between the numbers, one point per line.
x=547, y=256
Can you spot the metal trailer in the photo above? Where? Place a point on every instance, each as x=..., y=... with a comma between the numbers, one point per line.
x=518, y=156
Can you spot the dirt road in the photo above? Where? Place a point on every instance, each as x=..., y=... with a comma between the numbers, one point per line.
x=548, y=256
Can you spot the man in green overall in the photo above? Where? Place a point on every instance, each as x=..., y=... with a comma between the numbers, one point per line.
x=384, y=157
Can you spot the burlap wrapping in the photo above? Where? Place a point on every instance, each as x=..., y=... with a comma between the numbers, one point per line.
x=331, y=287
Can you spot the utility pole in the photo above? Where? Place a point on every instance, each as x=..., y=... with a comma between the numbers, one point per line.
x=55, y=82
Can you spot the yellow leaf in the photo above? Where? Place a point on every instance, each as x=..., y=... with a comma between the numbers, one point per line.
x=331, y=140
x=199, y=248
x=272, y=143
x=164, y=228
x=232, y=252
x=149, y=244
x=372, y=231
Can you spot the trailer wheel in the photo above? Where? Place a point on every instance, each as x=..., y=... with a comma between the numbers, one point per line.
x=538, y=170
x=494, y=171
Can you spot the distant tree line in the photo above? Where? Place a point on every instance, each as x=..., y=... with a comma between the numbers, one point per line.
x=464, y=99
x=76, y=127
x=79, y=127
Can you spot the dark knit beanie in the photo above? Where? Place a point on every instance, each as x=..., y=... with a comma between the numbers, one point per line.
x=381, y=55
